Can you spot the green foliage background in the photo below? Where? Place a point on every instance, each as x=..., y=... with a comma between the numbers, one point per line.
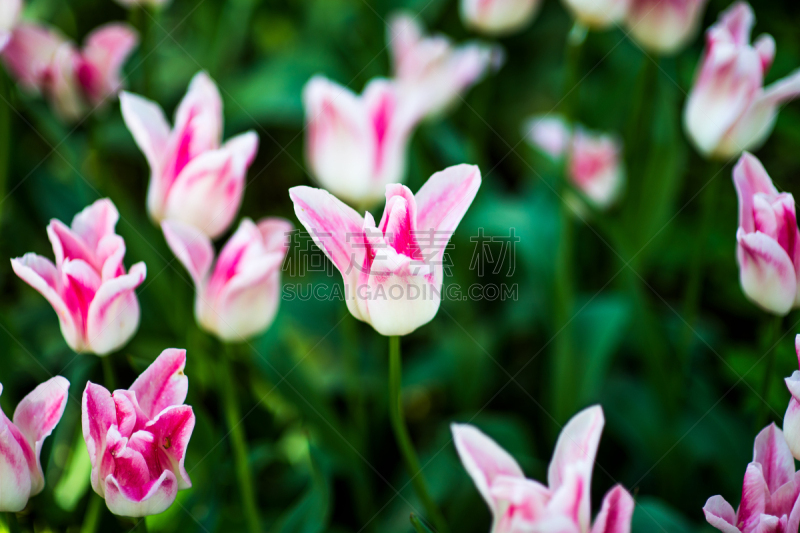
x=682, y=404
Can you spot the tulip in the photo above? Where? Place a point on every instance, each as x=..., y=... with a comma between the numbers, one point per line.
x=431, y=72
x=238, y=298
x=9, y=15
x=21, y=442
x=664, y=26
x=137, y=438
x=192, y=178
x=598, y=14
x=392, y=272
x=75, y=81
x=520, y=504
x=87, y=286
x=498, y=17
x=356, y=144
x=728, y=110
x=767, y=239
x=769, y=492
x=791, y=421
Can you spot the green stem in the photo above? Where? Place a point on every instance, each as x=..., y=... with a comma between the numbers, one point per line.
x=141, y=525
x=93, y=512
x=238, y=442
x=5, y=135
x=572, y=59
x=108, y=373
x=770, y=343
x=403, y=438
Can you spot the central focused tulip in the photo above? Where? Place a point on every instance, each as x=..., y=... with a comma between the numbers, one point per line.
x=767, y=240
x=21, y=442
x=356, y=145
x=239, y=297
x=770, y=491
x=87, y=286
x=664, y=26
x=192, y=178
x=393, y=271
x=498, y=17
x=728, y=110
x=137, y=438
x=563, y=505
x=431, y=72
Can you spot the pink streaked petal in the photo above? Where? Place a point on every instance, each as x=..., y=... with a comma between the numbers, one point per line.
x=720, y=514
x=245, y=243
x=68, y=245
x=15, y=477
x=276, y=233
x=784, y=89
x=80, y=282
x=110, y=253
x=399, y=221
x=738, y=21
x=766, y=272
x=616, y=512
x=104, y=53
x=403, y=33
x=156, y=500
x=577, y=444
x=192, y=247
x=750, y=177
x=772, y=453
x=754, y=498
x=95, y=222
x=29, y=53
x=98, y=415
x=765, y=46
x=484, y=460
x=113, y=315
x=128, y=412
x=171, y=430
x=163, y=384
x=782, y=501
x=793, y=523
x=518, y=501
x=791, y=420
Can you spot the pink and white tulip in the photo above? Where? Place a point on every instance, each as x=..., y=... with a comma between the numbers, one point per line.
x=393, y=271
x=87, y=286
x=137, y=438
x=729, y=110
x=21, y=440
x=193, y=178
x=791, y=420
x=767, y=239
x=239, y=296
x=664, y=26
x=770, y=491
x=75, y=81
x=9, y=16
x=498, y=17
x=431, y=72
x=593, y=160
x=563, y=505
x=598, y=14
x=356, y=144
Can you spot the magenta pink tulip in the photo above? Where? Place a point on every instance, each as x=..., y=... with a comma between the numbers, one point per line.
x=239, y=296
x=431, y=72
x=563, y=505
x=791, y=420
x=767, y=239
x=664, y=26
x=393, y=271
x=729, y=110
x=498, y=17
x=137, y=438
x=769, y=493
x=356, y=144
x=75, y=81
x=192, y=178
x=21, y=442
x=87, y=286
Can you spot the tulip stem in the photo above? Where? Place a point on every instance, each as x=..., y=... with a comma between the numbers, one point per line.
x=238, y=443
x=5, y=133
x=93, y=511
x=108, y=373
x=772, y=338
x=403, y=438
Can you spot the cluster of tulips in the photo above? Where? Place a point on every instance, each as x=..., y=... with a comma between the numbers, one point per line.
x=356, y=151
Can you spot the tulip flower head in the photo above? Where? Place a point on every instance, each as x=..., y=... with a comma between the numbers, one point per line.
x=75, y=81
x=192, y=178
x=498, y=17
x=791, y=421
x=21, y=442
x=393, y=271
x=356, y=144
x=9, y=15
x=767, y=239
x=431, y=72
x=87, y=286
x=664, y=26
x=729, y=110
x=520, y=504
x=137, y=438
x=598, y=14
x=769, y=492
x=239, y=297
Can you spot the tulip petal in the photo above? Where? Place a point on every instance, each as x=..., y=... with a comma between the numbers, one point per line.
x=113, y=315
x=766, y=272
x=29, y=53
x=192, y=247
x=616, y=513
x=163, y=384
x=791, y=420
x=98, y=415
x=720, y=514
x=104, y=53
x=754, y=498
x=772, y=453
x=484, y=460
x=172, y=429
x=750, y=177
x=15, y=476
x=550, y=134
x=276, y=233
x=146, y=121
x=157, y=499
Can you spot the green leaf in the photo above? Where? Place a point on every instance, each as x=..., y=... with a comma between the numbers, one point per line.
x=419, y=525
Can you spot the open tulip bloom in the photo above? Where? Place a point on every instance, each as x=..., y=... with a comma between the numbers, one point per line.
x=137, y=438
x=563, y=505
x=87, y=286
x=239, y=296
x=767, y=239
x=75, y=81
x=498, y=17
x=770, y=491
x=431, y=72
x=729, y=110
x=393, y=271
x=192, y=178
x=21, y=442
